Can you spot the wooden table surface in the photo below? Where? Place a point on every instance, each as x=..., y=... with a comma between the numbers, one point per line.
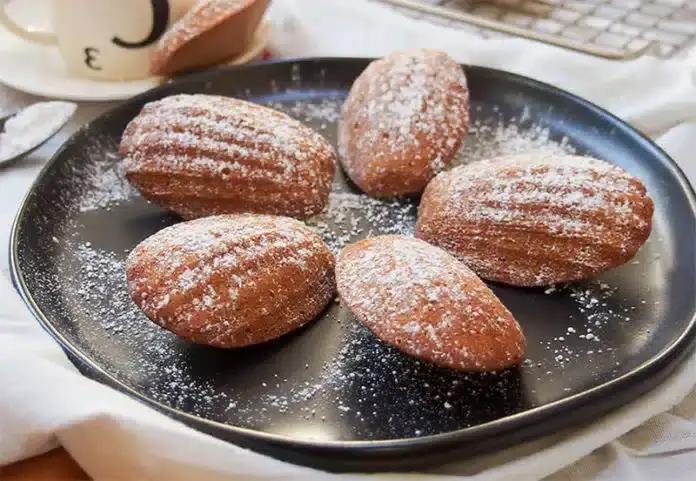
x=56, y=465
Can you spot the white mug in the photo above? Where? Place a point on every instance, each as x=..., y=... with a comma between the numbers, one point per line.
x=104, y=39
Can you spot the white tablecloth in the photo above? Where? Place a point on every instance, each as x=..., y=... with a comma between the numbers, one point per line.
x=43, y=401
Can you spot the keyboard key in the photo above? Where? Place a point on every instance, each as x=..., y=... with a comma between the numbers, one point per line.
x=582, y=7
x=612, y=40
x=517, y=19
x=668, y=25
x=595, y=23
x=548, y=26
x=637, y=44
x=672, y=3
x=623, y=29
x=641, y=20
x=627, y=4
x=664, y=37
x=564, y=16
x=664, y=50
x=579, y=33
x=610, y=12
x=685, y=27
x=657, y=10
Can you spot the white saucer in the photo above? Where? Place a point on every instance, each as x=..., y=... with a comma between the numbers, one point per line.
x=40, y=71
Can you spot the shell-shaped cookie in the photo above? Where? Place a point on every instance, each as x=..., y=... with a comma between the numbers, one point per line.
x=426, y=303
x=200, y=155
x=403, y=122
x=536, y=219
x=232, y=280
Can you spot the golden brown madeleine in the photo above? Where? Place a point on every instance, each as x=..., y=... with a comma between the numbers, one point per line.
x=200, y=155
x=426, y=303
x=536, y=219
x=211, y=31
x=403, y=122
x=232, y=280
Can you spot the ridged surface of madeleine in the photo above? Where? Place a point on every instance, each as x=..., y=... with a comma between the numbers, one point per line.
x=403, y=122
x=534, y=219
x=426, y=303
x=200, y=155
x=232, y=280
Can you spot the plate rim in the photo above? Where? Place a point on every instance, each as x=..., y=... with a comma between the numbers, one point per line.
x=654, y=370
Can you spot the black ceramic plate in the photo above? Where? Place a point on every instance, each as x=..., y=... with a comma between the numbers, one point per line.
x=331, y=395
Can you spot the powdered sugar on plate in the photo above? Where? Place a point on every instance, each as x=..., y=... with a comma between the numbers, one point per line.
x=104, y=183
x=332, y=380
x=489, y=139
x=349, y=217
x=325, y=110
x=116, y=316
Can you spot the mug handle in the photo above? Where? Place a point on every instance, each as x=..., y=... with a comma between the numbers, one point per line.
x=36, y=36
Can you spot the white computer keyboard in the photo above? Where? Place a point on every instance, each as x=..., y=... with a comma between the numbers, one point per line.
x=612, y=28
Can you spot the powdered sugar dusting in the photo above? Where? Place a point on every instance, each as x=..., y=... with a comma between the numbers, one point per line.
x=349, y=217
x=104, y=183
x=403, y=121
x=366, y=378
x=210, y=133
x=555, y=217
x=419, y=298
x=197, y=278
x=489, y=140
x=410, y=101
x=247, y=155
x=332, y=381
x=582, y=185
x=325, y=111
x=113, y=313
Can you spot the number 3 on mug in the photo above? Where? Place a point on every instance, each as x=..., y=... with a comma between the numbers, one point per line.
x=91, y=58
x=104, y=39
